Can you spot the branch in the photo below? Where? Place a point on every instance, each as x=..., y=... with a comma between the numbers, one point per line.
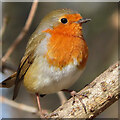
x=7, y=66
x=62, y=97
x=18, y=105
x=22, y=33
x=101, y=93
x=5, y=22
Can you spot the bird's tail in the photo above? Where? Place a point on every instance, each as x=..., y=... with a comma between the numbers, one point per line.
x=9, y=82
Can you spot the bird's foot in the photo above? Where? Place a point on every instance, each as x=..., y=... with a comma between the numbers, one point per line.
x=43, y=113
x=79, y=96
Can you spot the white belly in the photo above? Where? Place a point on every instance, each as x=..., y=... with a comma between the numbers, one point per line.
x=46, y=79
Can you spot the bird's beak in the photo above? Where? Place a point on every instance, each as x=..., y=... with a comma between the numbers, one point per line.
x=83, y=20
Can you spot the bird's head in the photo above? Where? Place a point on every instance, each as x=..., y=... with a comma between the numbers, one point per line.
x=63, y=21
x=66, y=44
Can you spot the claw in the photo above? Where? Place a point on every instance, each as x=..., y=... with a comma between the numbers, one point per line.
x=80, y=99
x=74, y=94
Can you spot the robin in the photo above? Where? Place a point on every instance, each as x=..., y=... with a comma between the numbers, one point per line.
x=55, y=57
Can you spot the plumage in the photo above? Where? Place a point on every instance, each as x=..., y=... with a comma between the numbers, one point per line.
x=9, y=82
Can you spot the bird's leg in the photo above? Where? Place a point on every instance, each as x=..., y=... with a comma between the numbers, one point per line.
x=39, y=106
x=74, y=94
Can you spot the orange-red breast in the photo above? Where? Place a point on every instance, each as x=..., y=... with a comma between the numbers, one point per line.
x=55, y=56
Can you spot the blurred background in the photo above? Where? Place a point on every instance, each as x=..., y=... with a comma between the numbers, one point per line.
x=101, y=35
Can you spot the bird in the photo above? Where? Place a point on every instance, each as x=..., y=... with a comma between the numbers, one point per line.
x=55, y=56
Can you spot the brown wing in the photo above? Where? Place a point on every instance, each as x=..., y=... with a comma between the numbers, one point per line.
x=22, y=69
x=9, y=82
x=26, y=61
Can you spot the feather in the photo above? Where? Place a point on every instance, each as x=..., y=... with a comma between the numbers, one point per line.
x=9, y=82
x=22, y=69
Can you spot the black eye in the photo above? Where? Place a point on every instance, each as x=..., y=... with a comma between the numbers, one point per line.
x=64, y=20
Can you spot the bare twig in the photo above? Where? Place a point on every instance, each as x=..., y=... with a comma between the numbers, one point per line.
x=2, y=30
x=23, y=32
x=18, y=105
x=97, y=96
x=62, y=97
x=8, y=67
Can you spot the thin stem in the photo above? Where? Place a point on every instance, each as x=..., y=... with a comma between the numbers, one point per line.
x=62, y=97
x=18, y=105
x=22, y=33
x=2, y=30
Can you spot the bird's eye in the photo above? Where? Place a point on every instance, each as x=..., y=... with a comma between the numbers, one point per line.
x=64, y=20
